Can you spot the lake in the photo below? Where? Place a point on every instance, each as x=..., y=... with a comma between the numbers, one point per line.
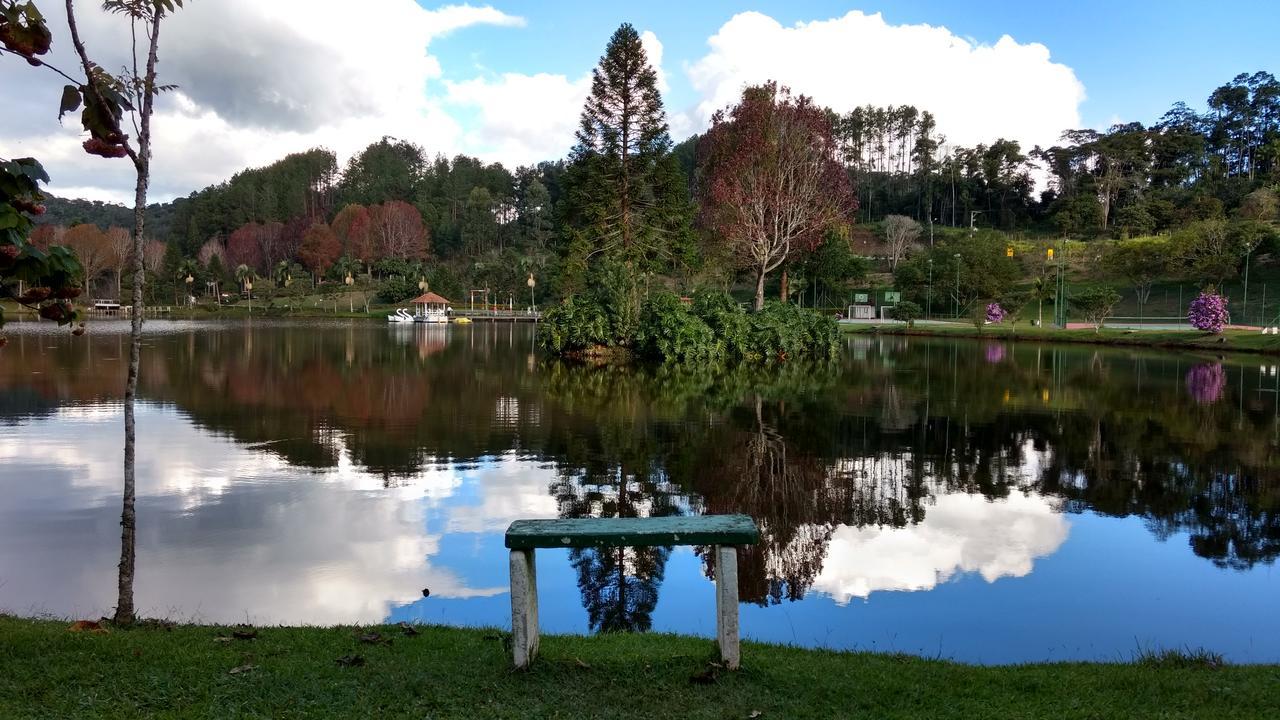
x=981, y=501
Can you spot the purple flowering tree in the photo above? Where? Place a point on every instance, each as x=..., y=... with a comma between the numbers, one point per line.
x=1208, y=312
x=995, y=313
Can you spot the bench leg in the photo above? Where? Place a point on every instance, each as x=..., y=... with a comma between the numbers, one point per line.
x=727, y=604
x=524, y=608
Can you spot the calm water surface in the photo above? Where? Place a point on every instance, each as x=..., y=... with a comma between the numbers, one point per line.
x=988, y=502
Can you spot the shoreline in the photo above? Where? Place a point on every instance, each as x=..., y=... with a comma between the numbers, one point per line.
x=156, y=669
x=1231, y=340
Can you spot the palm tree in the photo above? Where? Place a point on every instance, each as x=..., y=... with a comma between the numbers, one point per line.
x=281, y=274
x=186, y=269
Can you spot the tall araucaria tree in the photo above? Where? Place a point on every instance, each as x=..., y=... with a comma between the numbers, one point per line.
x=771, y=181
x=624, y=193
x=105, y=99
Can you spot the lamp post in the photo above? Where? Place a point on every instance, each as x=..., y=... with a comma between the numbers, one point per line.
x=189, y=281
x=248, y=287
x=348, y=281
x=929, y=302
x=533, y=305
x=957, y=295
x=1244, y=306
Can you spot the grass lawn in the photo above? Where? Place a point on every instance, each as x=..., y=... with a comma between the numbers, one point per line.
x=1236, y=340
x=47, y=671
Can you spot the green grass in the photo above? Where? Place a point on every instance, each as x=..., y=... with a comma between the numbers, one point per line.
x=46, y=671
x=1234, y=340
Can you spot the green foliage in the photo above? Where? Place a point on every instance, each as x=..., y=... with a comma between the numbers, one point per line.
x=907, y=312
x=669, y=331
x=782, y=331
x=398, y=288
x=981, y=270
x=575, y=325
x=51, y=277
x=1096, y=303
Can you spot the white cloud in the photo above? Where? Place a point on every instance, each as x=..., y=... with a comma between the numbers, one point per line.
x=977, y=92
x=960, y=534
x=520, y=119
x=257, y=80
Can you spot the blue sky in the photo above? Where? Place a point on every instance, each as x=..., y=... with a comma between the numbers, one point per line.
x=1135, y=59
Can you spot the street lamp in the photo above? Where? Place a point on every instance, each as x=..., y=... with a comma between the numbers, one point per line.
x=189, y=281
x=957, y=295
x=348, y=281
x=929, y=303
x=533, y=306
x=422, y=284
x=248, y=288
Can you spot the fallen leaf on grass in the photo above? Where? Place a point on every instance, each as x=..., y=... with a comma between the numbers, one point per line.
x=244, y=634
x=755, y=714
x=581, y=664
x=222, y=639
x=351, y=660
x=87, y=626
x=241, y=669
x=408, y=630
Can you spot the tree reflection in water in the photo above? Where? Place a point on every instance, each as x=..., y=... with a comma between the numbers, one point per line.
x=872, y=441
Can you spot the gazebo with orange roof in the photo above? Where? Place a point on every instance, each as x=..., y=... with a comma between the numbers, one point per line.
x=430, y=303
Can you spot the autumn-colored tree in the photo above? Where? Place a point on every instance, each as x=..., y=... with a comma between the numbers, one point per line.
x=771, y=180
x=93, y=248
x=320, y=249
x=352, y=227
x=209, y=250
x=120, y=243
x=46, y=236
x=243, y=247
x=398, y=231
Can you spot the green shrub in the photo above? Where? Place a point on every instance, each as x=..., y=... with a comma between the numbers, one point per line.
x=907, y=312
x=669, y=331
x=577, y=324
x=727, y=320
x=397, y=289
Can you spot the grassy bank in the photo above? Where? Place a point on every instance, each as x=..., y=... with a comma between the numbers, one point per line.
x=195, y=671
x=1234, y=340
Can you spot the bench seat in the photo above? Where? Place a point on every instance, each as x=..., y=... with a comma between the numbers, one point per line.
x=633, y=532
x=724, y=533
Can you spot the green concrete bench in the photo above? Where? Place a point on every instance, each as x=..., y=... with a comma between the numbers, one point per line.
x=723, y=532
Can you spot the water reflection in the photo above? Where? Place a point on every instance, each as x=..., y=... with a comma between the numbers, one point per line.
x=302, y=472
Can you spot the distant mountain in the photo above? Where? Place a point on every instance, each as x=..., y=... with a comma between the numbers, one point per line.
x=69, y=211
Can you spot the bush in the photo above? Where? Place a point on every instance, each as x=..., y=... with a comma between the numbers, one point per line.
x=781, y=331
x=669, y=331
x=907, y=312
x=577, y=324
x=727, y=320
x=1096, y=304
x=397, y=289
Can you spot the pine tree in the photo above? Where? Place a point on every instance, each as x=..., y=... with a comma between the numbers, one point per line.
x=619, y=198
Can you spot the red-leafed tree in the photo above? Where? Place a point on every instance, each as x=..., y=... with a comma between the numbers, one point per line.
x=355, y=232
x=243, y=247
x=772, y=183
x=320, y=249
x=398, y=230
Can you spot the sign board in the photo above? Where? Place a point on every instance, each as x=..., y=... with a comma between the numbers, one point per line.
x=892, y=298
x=860, y=298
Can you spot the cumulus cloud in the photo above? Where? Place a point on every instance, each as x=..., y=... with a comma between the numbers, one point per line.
x=257, y=80
x=960, y=534
x=977, y=92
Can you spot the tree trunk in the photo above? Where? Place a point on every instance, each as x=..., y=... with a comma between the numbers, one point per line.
x=142, y=163
x=782, y=293
x=759, y=303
